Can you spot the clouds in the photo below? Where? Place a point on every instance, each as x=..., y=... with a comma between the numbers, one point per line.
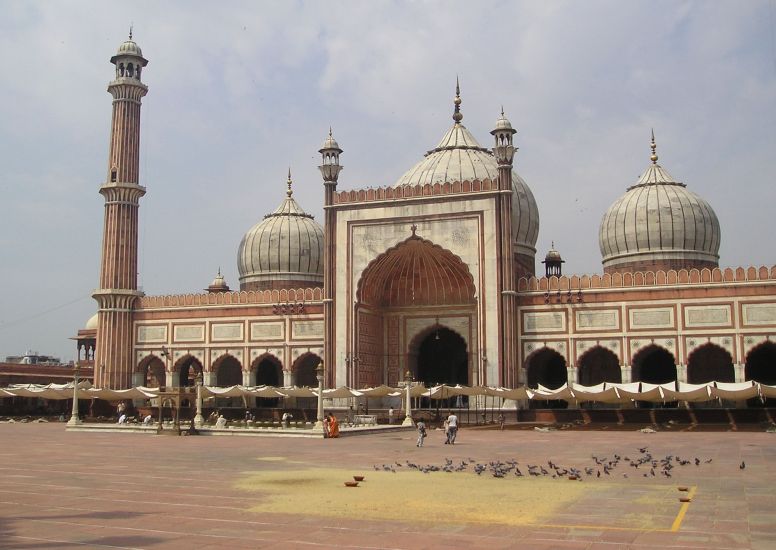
x=240, y=91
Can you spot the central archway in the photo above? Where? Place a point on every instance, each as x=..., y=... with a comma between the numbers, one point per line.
x=598, y=365
x=654, y=365
x=414, y=279
x=441, y=358
x=710, y=363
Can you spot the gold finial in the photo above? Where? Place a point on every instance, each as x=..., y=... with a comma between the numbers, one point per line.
x=288, y=191
x=413, y=228
x=457, y=116
x=652, y=146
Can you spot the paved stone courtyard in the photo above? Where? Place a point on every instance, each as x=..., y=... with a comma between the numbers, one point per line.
x=115, y=490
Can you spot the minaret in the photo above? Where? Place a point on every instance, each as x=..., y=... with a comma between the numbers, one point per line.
x=504, y=151
x=118, y=270
x=330, y=169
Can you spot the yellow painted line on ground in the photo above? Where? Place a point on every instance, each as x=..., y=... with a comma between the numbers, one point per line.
x=683, y=510
x=598, y=527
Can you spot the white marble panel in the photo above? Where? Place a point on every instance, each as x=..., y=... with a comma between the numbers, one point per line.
x=605, y=320
x=543, y=321
x=307, y=329
x=226, y=332
x=759, y=314
x=652, y=318
x=189, y=333
x=704, y=316
x=147, y=334
x=274, y=330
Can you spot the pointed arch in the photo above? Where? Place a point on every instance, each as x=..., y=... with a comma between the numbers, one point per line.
x=416, y=272
x=708, y=363
x=154, y=372
x=546, y=367
x=598, y=364
x=760, y=364
x=654, y=364
x=188, y=368
x=228, y=371
x=439, y=355
x=304, y=369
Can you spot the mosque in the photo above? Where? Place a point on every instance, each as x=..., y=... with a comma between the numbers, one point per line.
x=432, y=277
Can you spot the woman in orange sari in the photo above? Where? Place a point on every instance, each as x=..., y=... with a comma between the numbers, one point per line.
x=333, y=426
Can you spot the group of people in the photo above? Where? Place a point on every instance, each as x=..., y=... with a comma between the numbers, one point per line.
x=330, y=426
x=451, y=430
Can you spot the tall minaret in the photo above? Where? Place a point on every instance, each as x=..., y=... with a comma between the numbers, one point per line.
x=504, y=151
x=118, y=270
x=330, y=169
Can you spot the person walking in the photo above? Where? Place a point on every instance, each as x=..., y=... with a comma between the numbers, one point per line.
x=446, y=426
x=421, y=432
x=452, y=427
x=390, y=415
x=501, y=421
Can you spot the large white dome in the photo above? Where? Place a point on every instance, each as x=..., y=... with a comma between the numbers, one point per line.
x=459, y=157
x=285, y=250
x=659, y=224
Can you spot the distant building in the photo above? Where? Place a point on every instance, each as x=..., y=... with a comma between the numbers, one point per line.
x=33, y=358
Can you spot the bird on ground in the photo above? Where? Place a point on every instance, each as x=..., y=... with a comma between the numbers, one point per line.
x=742, y=466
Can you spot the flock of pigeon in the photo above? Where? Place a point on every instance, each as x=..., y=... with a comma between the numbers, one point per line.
x=643, y=464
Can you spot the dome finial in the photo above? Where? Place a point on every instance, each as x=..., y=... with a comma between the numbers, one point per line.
x=457, y=116
x=652, y=146
x=131, y=25
x=289, y=192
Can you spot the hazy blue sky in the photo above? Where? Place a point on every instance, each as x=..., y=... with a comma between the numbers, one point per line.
x=241, y=90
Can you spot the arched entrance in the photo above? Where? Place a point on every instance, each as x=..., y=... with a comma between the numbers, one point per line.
x=229, y=373
x=414, y=279
x=268, y=372
x=598, y=365
x=189, y=368
x=760, y=366
x=304, y=370
x=654, y=365
x=305, y=376
x=155, y=376
x=153, y=372
x=441, y=358
x=546, y=367
x=710, y=363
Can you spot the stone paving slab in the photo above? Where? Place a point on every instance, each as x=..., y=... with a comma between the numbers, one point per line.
x=113, y=490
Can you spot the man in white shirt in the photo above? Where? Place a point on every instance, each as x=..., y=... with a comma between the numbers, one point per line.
x=452, y=426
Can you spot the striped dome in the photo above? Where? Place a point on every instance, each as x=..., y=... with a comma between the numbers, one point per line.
x=283, y=250
x=659, y=221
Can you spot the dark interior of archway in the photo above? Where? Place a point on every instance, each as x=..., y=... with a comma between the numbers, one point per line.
x=305, y=371
x=548, y=368
x=710, y=363
x=189, y=371
x=761, y=364
x=229, y=373
x=654, y=365
x=155, y=376
x=268, y=374
x=442, y=359
x=599, y=365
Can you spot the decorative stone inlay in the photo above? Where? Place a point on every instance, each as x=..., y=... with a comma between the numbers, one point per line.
x=151, y=334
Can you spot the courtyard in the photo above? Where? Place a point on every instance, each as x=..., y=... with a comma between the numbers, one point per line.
x=492, y=489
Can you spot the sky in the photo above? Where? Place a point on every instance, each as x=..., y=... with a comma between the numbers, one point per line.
x=240, y=91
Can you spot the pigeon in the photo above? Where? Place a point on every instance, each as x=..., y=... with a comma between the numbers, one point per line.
x=742, y=466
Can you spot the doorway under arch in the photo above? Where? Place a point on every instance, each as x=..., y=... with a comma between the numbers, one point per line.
x=597, y=365
x=304, y=370
x=654, y=365
x=440, y=357
x=710, y=363
x=188, y=367
x=229, y=373
x=546, y=367
x=761, y=364
x=268, y=372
